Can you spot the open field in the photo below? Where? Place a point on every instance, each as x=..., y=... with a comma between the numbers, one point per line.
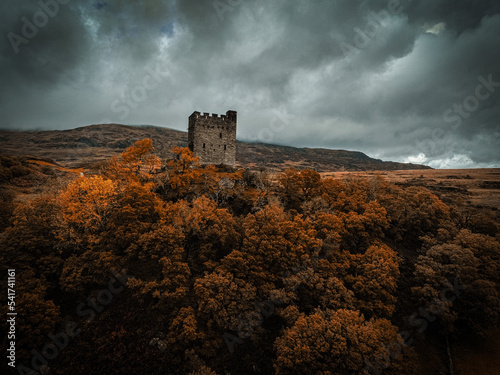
x=479, y=188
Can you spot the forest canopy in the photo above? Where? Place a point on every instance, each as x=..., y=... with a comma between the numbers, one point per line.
x=231, y=271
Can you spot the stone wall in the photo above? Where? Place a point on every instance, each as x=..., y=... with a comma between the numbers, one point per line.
x=213, y=137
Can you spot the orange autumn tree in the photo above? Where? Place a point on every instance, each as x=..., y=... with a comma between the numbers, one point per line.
x=348, y=195
x=356, y=204
x=139, y=158
x=86, y=205
x=161, y=274
x=210, y=232
x=334, y=342
x=187, y=178
x=414, y=212
x=137, y=162
x=364, y=227
x=296, y=187
x=225, y=301
x=374, y=280
x=183, y=170
x=458, y=282
x=275, y=243
x=136, y=210
x=90, y=269
x=32, y=239
x=184, y=331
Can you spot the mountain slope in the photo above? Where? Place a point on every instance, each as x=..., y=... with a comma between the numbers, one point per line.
x=83, y=146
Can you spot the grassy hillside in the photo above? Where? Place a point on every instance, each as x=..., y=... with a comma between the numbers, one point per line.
x=81, y=147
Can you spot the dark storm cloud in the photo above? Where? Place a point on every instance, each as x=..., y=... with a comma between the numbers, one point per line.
x=40, y=55
x=377, y=76
x=459, y=15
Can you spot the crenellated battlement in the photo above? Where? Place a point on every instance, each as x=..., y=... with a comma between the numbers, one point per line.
x=212, y=137
x=230, y=115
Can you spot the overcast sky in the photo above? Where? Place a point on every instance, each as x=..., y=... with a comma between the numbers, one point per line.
x=399, y=80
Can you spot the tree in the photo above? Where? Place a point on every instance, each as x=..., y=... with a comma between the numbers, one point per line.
x=86, y=204
x=362, y=229
x=290, y=188
x=275, y=244
x=336, y=342
x=39, y=313
x=210, y=232
x=183, y=171
x=160, y=272
x=414, y=212
x=436, y=275
x=332, y=192
x=32, y=239
x=136, y=209
x=188, y=179
x=83, y=272
x=458, y=281
x=138, y=161
x=296, y=187
x=374, y=280
x=184, y=328
x=224, y=301
x=486, y=249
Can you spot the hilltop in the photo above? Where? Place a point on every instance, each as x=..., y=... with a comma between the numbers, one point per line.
x=81, y=147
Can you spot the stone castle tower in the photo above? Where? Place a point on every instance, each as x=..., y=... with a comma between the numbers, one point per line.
x=213, y=137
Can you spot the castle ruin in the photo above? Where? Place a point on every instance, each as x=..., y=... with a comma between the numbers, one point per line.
x=213, y=137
